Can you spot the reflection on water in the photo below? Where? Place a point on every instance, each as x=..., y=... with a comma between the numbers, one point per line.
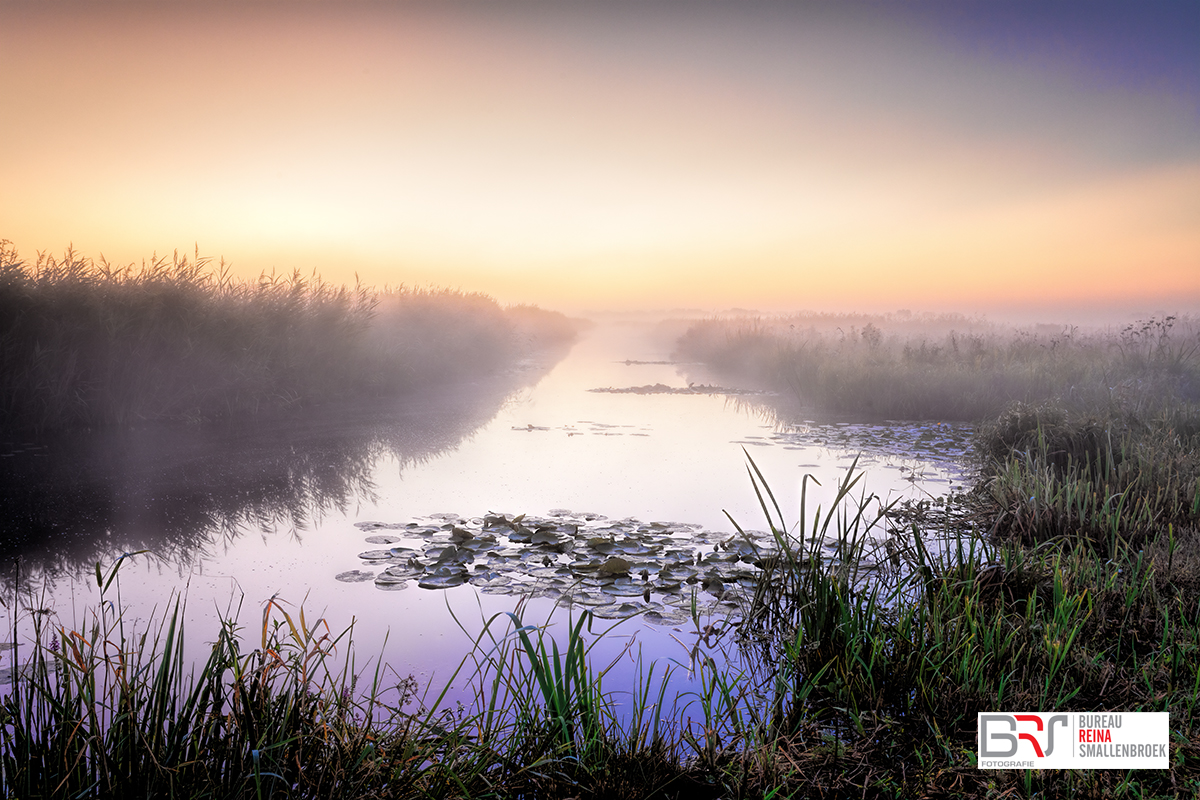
x=324, y=483
x=179, y=492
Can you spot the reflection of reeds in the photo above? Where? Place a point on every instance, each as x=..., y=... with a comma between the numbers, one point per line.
x=182, y=490
x=895, y=369
x=112, y=711
x=83, y=343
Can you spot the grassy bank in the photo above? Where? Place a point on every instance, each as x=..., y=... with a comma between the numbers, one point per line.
x=857, y=669
x=84, y=343
x=951, y=367
x=1078, y=585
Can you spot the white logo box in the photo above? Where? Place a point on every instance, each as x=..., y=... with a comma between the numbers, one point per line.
x=1073, y=740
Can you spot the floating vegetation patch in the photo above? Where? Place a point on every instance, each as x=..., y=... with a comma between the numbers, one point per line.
x=595, y=429
x=956, y=511
x=615, y=568
x=354, y=576
x=629, y=362
x=944, y=445
x=691, y=388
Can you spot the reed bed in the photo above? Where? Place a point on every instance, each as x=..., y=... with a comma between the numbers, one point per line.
x=86, y=343
x=1115, y=479
x=951, y=367
x=1067, y=578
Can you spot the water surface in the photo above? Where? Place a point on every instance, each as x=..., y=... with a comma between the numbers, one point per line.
x=283, y=510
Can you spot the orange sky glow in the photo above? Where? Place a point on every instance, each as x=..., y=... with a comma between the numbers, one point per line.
x=605, y=155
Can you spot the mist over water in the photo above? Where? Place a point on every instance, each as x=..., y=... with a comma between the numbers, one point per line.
x=282, y=509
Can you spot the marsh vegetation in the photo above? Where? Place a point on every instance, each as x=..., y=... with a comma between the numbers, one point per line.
x=845, y=650
x=85, y=343
x=950, y=367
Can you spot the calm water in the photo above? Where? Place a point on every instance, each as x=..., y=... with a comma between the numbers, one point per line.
x=283, y=510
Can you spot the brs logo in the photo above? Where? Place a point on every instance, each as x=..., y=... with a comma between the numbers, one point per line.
x=1004, y=727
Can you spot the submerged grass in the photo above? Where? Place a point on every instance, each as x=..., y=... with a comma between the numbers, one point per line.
x=86, y=343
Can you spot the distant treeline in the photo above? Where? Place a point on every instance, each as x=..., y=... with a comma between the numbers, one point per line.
x=85, y=343
x=951, y=367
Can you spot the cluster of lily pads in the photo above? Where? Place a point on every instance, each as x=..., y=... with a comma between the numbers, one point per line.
x=595, y=428
x=617, y=568
x=662, y=388
x=942, y=445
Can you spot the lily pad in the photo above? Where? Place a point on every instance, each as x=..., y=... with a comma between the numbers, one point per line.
x=625, y=589
x=389, y=584
x=354, y=576
x=373, y=526
x=666, y=617
x=577, y=559
x=454, y=555
x=460, y=535
x=590, y=598
x=543, y=536
x=401, y=572
x=623, y=611
x=548, y=572
x=442, y=581
x=614, y=566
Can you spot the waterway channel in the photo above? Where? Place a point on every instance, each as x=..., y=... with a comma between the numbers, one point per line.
x=351, y=514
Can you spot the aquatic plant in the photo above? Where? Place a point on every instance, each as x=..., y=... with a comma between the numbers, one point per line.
x=870, y=680
x=109, y=709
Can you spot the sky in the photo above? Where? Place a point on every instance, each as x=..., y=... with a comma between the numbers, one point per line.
x=857, y=156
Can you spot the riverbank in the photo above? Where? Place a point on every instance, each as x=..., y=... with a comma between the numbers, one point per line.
x=85, y=344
